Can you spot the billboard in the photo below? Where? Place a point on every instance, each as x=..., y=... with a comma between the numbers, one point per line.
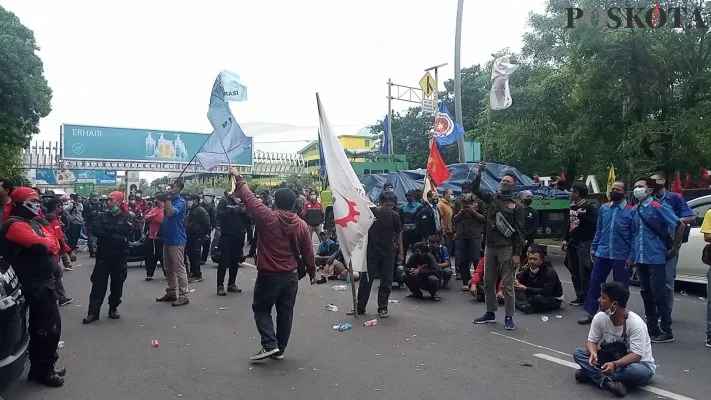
x=46, y=176
x=81, y=142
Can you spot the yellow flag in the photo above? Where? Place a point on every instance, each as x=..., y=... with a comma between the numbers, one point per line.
x=610, y=179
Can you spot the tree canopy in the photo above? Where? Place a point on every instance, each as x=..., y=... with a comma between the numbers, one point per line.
x=585, y=97
x=24, y=93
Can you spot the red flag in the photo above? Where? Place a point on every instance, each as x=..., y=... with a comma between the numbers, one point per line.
x=562, y=176
x=676, y=187
x=436, y=168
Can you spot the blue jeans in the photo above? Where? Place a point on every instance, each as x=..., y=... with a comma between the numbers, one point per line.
x=637, y=374
x=601, y=269
x=654, y=291
x=671, y=278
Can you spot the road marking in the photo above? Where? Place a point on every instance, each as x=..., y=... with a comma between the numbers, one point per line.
x=249, y=265
x=651, y=389
x=677, y=297
x=531, y=344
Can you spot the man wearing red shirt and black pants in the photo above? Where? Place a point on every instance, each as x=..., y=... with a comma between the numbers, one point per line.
x=54, y=210
x=282, y=234
x=28, y=243
x=313, y=214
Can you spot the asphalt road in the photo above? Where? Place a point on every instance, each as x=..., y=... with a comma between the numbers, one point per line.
x=424, y=350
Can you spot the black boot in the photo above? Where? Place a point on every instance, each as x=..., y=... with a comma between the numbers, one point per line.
x=34, y=376
x=52, y=380
x=113, y=313
x=91, y=317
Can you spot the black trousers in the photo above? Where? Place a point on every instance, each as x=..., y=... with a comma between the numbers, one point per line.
x=400, y=276
x=154, y=255
x=255, y=239
x=231, y=252
x=408, y=239
x=193, y=248
x=468, y=253
x=206, y=243
x=383, y=267
x=416, y=283
x=536, y=303
x=90, y=239
x=107, y=267
x=250, y=234
x=45, y=328
x=580, y=266
x=269, y=291
x=73, y=233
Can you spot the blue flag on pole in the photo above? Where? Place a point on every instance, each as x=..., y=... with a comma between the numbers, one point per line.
x=321, y=159
x=446, y=130
x=386, y=137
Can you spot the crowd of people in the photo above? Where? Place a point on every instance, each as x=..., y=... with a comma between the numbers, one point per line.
x=410, y=245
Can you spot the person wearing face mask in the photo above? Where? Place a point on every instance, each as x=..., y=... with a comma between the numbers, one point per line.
x=92, y=208
x=683, y=212
x=154, y=241
x=73, y=211
x=428, y=220
x=441, y=256
x=198, y=227
x=408, y=219
x=233, y=219
x=538, y=288
x=208, y=203
x=28, y=244
x=446, y=211
x=423, y=272
x=504, y=240
x=610, y=248
x=530, y=222
x=652, y=247
x=618, y=352
x=54, y=210
x=469, y=218
x=313, y=214
x=578, y=237
x=112, y=229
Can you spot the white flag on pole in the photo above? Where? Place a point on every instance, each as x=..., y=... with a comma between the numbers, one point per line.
x=500, y=97
x=227, y=139
x=351, y=206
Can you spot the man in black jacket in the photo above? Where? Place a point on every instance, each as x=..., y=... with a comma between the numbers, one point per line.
x=428, y=220
x=92, y=208
x=538, y=288
x=468, y=225
x=208, y=203
x=112, y=229
x=198, y=228
x=423, y=272
x=233, y=220
x=578, y=237
x=530, y=222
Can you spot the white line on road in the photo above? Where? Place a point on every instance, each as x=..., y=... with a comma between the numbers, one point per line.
x=651, y=389
x=677, y=297
x=531, y=344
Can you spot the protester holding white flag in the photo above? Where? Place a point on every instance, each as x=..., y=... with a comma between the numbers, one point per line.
x=500, y=97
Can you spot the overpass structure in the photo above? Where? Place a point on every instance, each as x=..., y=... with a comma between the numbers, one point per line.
x=49, y=155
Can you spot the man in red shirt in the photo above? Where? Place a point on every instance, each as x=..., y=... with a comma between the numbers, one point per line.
x=313, y=214
x=54, y=210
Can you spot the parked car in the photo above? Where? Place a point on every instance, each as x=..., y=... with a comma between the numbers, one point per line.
x=690, y=268
x=14, y=336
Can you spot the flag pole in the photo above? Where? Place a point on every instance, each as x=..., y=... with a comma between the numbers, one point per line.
x=353, y=289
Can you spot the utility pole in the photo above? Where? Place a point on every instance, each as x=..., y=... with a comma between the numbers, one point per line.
x=390, y=117
x=458, y=78
x=403, y=93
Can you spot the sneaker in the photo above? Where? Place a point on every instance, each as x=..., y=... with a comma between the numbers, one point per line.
x=233, y=289
x=264, y=353
x=279, y=355
x=69, y=268
x=708, y=342
x=577, y=302
x=487, y=318
x=66, y=301
x=662, y=337
x=586, y=320
x=509, y=323
x=581, y=377
x=465, y=288
x=195, y=279
x=182, y=301
x=91, y=317
x=383, y=313
x=166, y=298
x=114, y=314
x=352, y=312
x=618, y=388
x=221, y=291
x=149, y=278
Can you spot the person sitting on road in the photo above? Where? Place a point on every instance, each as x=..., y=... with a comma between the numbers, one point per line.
x=538, y=288
x=618, y=352
x=335, y=268
x=441, y=256
x=476, y=285
x=325, y=249
x=423, y=272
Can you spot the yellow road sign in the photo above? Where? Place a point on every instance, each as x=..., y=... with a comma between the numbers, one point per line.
x=427, y=83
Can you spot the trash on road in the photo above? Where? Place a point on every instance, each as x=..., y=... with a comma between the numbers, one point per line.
x=526, y=364
x=60, y=344
x=154, y=343
x=343, y=326
x=683, y=293
x=340, y=287
x=702, y=298
x=559, y=316
x=192, y=290
x=224, y=308
x=372, y=322
x=394, y=301
x=544, y=318
x=331, y=307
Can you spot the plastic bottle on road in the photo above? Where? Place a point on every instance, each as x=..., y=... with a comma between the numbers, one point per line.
x=331, y=307
x=372, y=322
x=343, y=327
x=340, y=287
x=348, y=278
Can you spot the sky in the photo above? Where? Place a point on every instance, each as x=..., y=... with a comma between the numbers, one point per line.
x=151, y=64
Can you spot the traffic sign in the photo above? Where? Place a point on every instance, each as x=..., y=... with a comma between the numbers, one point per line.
x=427, y=83
x=429, y=106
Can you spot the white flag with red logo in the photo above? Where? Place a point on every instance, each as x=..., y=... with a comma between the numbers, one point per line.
x=351, y=206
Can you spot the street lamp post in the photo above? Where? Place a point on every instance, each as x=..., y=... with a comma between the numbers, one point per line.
x=458, y=79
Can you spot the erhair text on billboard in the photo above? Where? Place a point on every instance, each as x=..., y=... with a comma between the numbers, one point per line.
x=636, y=17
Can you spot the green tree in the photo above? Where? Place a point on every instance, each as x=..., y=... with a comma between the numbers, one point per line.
x=24, y=94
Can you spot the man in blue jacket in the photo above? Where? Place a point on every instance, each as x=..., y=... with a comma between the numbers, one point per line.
x=652, y=247
x=610, y=249
x=174, y=239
